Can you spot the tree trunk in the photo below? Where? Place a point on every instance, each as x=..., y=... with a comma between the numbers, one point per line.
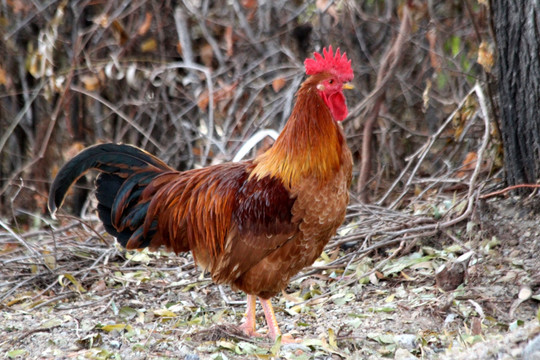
x=516, y=25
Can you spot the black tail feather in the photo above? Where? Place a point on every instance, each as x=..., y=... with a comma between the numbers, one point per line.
x=107, y=187
x=117, y=159
x=125, y=172
x=121, y=236
x=129, y=192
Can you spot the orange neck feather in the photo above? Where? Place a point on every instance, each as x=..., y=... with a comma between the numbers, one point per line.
x=309, y=145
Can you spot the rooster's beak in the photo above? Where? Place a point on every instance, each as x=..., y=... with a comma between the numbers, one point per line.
x=348, y=86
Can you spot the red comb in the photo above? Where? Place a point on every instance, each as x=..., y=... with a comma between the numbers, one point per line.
x=338, y=65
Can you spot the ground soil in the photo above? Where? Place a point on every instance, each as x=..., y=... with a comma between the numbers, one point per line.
x=146, y=308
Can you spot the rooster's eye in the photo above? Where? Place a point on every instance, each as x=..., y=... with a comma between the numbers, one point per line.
x=331, y=81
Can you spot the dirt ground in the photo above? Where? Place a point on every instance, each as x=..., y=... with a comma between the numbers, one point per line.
x=159, y=306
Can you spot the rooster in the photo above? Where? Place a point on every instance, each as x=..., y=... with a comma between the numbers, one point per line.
x=252, y=224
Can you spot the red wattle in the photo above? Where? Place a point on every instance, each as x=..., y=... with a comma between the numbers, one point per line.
x=337, y=105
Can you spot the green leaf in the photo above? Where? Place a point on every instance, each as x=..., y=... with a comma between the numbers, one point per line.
x=359, y=316
x=274, y=350
x=355, y=323
x=385, y=309
x=312, y=342
x=127, y=313
x=325, y=257
x=382, y=338
x=404, y=262
x=471, y=339
x=51, y=323
x=244, y=347
x=455, y=45
x=229, y=345
x=14, y=353
x=442, y=80
x=513, y=326
x=342, y=298
x=139, y=256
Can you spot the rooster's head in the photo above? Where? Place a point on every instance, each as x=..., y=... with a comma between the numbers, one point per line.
x=334, y=71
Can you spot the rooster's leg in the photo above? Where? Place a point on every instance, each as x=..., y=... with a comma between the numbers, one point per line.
x=248, y=327
x=273, y=327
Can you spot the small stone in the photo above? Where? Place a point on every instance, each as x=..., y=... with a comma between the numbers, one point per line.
x=516, y=352
x=403, y=354
x=525, y=293
x=450, y=275
x=406, y=341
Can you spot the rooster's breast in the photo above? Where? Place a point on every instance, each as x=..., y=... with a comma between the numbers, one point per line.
x=319, y=209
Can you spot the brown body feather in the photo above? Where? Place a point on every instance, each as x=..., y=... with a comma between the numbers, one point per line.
x=255, y=224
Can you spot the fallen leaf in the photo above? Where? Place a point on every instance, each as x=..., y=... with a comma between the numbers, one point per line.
x=278, y=84
x=485, y=56
x=165, y=313
x=3, y=78
x=116, y=327
x=404, y=262
x=127, y=313
x=72, y=279
x=382, y=338
x=471, y=339
x=51, y=323
x=145, y=26
x=139, y=256
x=274, y=350
x=468, y=164
x=16, y=353
x=250, y=4
x=203, y=100
x=476, y=326
x=102, y=20
x=90, y=82
x=224, y=94
x=18, y=300
x=332, y=338
x=229, y=345
x=99, y=286
x=119, y=33
x=50, y=260
x=384, y=309
x=149, y=45
x=207, y=55
x=89, y=341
